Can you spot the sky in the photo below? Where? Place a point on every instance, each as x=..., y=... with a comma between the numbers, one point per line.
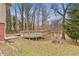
x=51, y=14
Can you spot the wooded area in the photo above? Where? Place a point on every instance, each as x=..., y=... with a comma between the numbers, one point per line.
x=39, y=29
x=28, y=17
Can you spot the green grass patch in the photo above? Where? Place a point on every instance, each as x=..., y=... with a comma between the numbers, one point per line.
x=41, y=48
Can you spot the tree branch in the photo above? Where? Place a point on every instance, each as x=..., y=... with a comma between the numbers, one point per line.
x=58, y=12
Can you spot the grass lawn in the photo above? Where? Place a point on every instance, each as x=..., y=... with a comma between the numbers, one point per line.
x=44, y=48
x=6, y=50
x=38, y=48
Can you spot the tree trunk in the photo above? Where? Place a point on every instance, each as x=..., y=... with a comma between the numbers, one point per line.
x=22, y=24
x=8, y=20
x=63, y=33
x=76, y=42
x=22, y=18
x=15, y=18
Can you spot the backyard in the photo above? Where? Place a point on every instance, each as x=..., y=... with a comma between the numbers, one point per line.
x=39, y=29
x=25, y=47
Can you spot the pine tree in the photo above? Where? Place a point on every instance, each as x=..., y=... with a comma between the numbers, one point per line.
x=72, y=25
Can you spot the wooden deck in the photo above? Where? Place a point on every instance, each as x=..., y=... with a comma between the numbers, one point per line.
x=32, y=35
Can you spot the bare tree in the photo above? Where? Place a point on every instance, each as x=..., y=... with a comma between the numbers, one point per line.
x=62, y=10
x=21, y=9
x=27, y=9
x=33, y=18
x=8, y=18
x=44, y=15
